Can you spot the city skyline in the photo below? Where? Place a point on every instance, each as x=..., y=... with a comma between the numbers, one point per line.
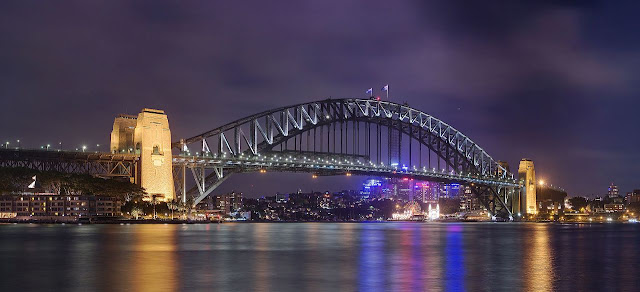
x=546, y=83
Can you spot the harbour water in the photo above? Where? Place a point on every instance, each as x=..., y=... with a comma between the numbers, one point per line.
x=398, y=256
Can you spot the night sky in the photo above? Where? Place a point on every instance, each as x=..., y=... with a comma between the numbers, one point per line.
x=554, y=81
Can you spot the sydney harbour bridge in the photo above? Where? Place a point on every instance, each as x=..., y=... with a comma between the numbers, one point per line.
x=327, y=137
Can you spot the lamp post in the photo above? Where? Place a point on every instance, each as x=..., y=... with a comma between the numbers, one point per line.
x=18, y=143
x=84, y=147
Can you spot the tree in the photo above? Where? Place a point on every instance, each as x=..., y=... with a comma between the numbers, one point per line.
x=449, y=206
x=15, y=179
x=577, y=203
x=136, y=212
x=186, y=207
x=172, y=205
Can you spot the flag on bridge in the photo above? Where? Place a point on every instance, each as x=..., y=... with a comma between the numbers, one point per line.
x=370, y=91
x=386, y=88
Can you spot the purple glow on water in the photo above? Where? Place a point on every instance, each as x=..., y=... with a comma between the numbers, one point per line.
x=454, y=228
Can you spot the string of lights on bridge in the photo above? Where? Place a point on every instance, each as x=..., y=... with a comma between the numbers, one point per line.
x=46, y=147
x=349, y=166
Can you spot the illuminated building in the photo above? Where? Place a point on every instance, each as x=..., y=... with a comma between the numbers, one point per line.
x=468, y=201
x=412, y=211
x=434, y=213
x=216, y=207
x=612, y=192
x=633, y=197
x=404, y=188
x=227, y=203
x=122, y=135
x=52, y=206
x=527, y=174
x=612, y=208
x=372, y=188
x=282, y=198
x=150, y=137
x=428, y=192
x=400, y=188
x=550, y=200
x=450, y=190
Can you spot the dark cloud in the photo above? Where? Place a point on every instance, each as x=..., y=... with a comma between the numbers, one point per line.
x=550, y=80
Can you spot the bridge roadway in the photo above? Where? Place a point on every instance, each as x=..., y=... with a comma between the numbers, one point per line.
x=330, y=164
x=124, y=165
x=104, y=164
x=100, y=164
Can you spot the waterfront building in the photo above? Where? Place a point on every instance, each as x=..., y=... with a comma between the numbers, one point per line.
x=613, y=207
x=228, y=203
x=51, y=206
x=527, y=174
x=434, y=213
x=550, y=200
x=223, y=204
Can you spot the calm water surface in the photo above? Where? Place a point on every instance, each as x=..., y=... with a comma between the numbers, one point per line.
x=320, y=257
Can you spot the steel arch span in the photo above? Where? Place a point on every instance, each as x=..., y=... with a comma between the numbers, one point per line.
x=343, y=136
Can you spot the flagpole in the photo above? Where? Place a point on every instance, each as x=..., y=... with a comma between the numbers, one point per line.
x=387, y=91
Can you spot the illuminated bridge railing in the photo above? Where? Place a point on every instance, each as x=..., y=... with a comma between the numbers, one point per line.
x=332, y=165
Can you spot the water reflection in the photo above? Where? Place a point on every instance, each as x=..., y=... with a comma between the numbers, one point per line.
x=319, y=257
x=372, y=268
x=432, y=259
x=538, y=274
x=154, y=258
x=261, y=259
x=454, y=259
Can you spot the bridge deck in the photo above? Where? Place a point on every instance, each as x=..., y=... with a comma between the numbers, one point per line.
x=326, y=165
x=95, y=163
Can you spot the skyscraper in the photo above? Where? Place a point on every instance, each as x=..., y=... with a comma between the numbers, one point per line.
x=527, y=174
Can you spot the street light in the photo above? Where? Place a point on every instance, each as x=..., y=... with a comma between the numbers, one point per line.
x=84, y=148
x=48, y=145
x=541, y=182
x=18, y=143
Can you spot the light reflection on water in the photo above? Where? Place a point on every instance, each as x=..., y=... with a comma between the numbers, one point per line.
x=319, y=257
x=537, y=263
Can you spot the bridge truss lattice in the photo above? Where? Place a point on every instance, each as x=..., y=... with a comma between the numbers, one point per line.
x=343, y=136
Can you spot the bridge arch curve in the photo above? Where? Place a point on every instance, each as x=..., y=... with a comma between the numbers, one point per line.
x=341, y=129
